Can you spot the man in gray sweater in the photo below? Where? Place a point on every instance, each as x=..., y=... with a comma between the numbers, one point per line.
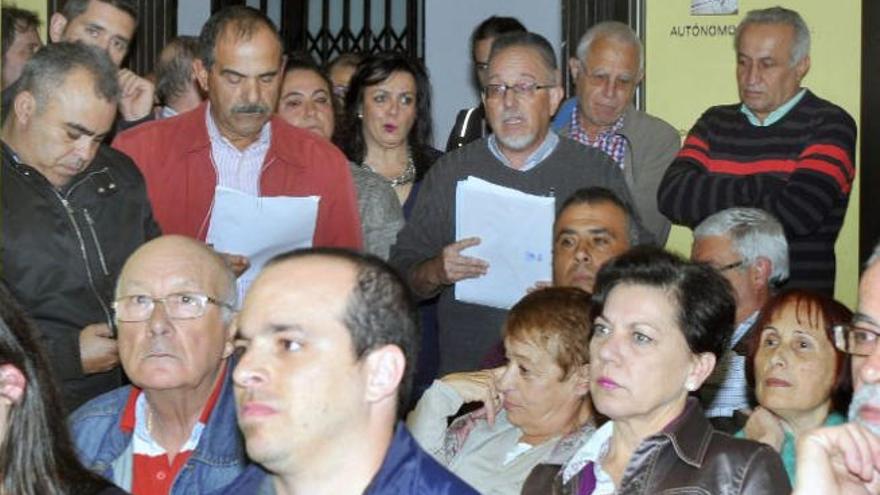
x=520, y=97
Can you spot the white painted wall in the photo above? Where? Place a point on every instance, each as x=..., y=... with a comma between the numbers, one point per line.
x=191, y=15
x=448, y=26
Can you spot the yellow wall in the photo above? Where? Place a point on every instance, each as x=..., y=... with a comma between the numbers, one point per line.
x=687, y=74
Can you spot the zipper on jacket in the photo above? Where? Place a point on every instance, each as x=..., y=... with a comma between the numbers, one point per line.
x=82, y=246
x=97, y=243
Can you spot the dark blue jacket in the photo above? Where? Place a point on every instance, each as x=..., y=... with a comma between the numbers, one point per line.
x=407, y=469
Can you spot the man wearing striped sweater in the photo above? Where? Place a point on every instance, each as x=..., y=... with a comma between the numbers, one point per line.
x=783, y=149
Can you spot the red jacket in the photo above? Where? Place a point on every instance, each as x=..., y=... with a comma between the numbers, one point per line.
x=174, y=156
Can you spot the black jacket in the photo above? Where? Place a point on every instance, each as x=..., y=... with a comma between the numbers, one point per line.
x=63, y=249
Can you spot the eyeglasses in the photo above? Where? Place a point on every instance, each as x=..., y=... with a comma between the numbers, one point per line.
x=520, y=89
x=179, y=306
x=481, y=66
x=855, y=340
x=730, y=266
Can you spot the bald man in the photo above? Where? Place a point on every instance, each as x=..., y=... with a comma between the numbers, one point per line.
x=173, y=429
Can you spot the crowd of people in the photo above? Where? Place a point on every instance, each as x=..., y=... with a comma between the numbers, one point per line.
x=138, y=356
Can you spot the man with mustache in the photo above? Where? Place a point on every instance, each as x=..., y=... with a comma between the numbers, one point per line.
x=173, y=430
x=845, y=459
x=781, y=149
x=234, y=140
x=73, y=210
x=520, y=96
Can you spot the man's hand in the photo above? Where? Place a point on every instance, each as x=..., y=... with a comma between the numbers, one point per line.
x=447, y=268
x=838, y=460
x=479, y=386
x=236, y=262
x=764, y=426
x=97, y=349
x=136, y=100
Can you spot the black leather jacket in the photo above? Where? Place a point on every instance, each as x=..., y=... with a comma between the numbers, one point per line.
x=63, y=249
x=688, y=457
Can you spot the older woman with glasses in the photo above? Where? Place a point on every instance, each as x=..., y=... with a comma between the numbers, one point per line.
x=800, y=380
x=660, y=324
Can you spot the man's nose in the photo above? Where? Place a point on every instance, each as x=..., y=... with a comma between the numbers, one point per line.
x=870, y=372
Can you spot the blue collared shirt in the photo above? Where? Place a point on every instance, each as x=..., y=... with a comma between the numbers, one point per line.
x=774, y=116
x=543, y=151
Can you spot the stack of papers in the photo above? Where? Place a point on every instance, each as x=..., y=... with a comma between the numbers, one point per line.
x=260, y=228
x=516, y=232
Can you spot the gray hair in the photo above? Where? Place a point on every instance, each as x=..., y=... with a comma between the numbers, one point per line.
x=779, y=15
x=754, y=233
x=48, y=69
x=174, y=70
x=532, y=41
x=616, y=31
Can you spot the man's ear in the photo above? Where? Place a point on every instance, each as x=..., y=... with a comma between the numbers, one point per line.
x=229, y=340
x=57, y=24
x=574, y=67
x=762, y=268
x=12, y=384
x=201, y=74
x=24, y=106
x=385, y=367
x=802, y=67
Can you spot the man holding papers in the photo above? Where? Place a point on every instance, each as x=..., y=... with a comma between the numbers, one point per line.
x=520, y=97
x=196, y=162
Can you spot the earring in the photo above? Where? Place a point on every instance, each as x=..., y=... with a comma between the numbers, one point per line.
x=689, y=385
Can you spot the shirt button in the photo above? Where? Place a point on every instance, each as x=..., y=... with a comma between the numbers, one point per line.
x=160, y=475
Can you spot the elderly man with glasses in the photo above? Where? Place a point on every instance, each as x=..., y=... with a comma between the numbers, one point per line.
x=748, y=247
x=845, y=459
x=173, y=430
x=520, y=94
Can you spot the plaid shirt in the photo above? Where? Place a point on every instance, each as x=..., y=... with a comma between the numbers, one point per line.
x=611, y=141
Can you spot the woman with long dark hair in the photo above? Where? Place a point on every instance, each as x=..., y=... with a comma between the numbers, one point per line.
x=387, y=126
x=36, y=456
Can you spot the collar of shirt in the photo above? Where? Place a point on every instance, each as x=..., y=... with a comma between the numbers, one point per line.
x=774, y=116
x=165, y=111
x=592, y=451
x=742, y=329
x=610, y=141
x=535, y=159
x=260, y=145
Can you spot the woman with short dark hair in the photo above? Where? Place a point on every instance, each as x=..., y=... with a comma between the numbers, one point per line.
x=660, y=325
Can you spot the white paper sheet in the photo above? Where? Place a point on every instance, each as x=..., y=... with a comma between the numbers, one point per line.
x=516, y=230
x=260, y=227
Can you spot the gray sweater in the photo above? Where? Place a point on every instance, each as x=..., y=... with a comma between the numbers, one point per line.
x=467, y=332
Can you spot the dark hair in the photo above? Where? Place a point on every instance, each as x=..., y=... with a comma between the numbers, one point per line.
x=706, y=307
x=370, y=72
x=174, y=70
x=48, y=69
x=556, y=319
x=14, y=21
x=36, y=455
x=379, y=310
x=533, y=41
x=304, y=61
x=244, y=20
x=816, y=310
x=73, y=8
x=598, y=195
x=494, y=27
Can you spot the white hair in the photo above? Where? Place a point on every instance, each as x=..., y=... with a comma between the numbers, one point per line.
x=779, y=15
x=614, y=30
x=753, y=233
